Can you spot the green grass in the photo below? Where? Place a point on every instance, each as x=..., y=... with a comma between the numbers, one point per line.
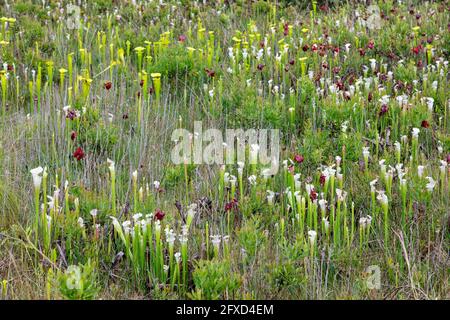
x=202, y=231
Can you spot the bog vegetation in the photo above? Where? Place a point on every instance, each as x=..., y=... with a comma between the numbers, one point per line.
x=92, y=207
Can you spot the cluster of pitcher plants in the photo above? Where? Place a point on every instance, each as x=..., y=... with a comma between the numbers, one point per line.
x=93, y=207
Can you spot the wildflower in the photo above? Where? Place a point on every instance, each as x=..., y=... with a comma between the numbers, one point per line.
x=156, y=78
x=93, y=212
x=191, y=51
x=327, y=173
x=52, y=202
x=49, y=221
x=415, y=133
x=323, y=205
x=232, y=179
x=382, y=197
x=338, y=161
x=417, y=49
x=231, y=205
x=210, y=73
x=216, y=239
x=183, y=237
x=312, y=235
x=231, y=53
x=80, y=222
x=170, y=236
x=159, y=215
x=341, y=194
x=373, y=64
x=382, y=167
x=326, y=224
x=365, y=221
x=266, y=173
x=252, y=180
x=126, y=225
x=400, y=171
x=244, y=53
x=116, y=224
x=366, y=154
x=297, y=182
x=404, y=139
x=383, y=110
x=372, y=185
x=434, y=85
x=347, y=47
x=425, y=124
x=177, y=256
x=141, y=194
x=431, y=184
x=299, y=158
x=37, y=178
x=420, y=170
x=313, y=194
x=108, y=85
x=71, y=114
x=288, y=193
x=430, y=103
x=192, y=210
x=298, y=197
x=79, y=154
